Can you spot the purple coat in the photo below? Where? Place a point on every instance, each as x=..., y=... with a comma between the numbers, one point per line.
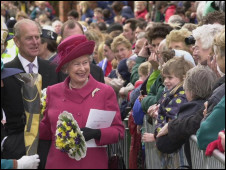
x=79, y=102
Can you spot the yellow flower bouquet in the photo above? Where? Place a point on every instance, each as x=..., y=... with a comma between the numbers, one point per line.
x=69, y=138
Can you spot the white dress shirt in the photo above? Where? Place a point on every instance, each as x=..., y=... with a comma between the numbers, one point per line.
x=25, y=63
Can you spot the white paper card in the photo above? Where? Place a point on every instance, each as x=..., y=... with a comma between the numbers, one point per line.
x=98, y=119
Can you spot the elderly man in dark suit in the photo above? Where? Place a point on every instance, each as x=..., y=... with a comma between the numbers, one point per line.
x=27, y=39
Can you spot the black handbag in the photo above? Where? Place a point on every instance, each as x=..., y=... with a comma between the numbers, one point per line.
x=115, y=158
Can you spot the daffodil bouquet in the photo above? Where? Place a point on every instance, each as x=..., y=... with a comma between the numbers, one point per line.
x=69, y=138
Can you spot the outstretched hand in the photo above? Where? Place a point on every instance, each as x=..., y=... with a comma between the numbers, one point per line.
x=153, y=111
x=148, y=137
x=205, y=110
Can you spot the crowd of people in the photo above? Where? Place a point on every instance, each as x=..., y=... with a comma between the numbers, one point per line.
x=164, y=59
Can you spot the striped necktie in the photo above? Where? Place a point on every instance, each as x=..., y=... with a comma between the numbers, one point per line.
x=30, y=66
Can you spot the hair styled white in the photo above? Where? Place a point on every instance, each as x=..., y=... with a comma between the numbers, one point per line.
x=200, y=9
x=57, y=22
x=144, y=2
x=206, y=34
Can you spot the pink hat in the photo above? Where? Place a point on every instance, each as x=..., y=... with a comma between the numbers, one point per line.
x=73, y=47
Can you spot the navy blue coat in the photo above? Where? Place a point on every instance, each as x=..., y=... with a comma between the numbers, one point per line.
x=175, y=139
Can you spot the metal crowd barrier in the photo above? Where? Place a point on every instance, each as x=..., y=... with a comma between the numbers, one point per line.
x=200, y=161
x=124, y=144
x=156, y=160
x=153, y=158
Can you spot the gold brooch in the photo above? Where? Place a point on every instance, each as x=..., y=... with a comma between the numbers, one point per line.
x=94, y=91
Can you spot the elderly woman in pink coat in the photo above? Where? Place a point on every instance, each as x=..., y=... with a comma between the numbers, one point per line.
x=77, y=95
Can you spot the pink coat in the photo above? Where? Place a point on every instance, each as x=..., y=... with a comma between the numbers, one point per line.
x=79, y=102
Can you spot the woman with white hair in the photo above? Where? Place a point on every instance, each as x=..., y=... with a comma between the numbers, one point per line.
x=214, y=121
x=204, y=37
x=57, y=25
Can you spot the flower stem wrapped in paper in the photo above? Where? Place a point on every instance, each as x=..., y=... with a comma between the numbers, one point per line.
x=69, y=138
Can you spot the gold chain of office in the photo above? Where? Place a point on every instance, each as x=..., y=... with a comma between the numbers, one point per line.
x=31, y=99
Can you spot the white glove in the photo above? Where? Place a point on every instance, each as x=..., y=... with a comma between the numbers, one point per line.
x=28, y=162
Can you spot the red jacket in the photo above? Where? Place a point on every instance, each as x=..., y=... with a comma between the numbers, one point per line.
x=169, y=12
x=141, y=14
x=79, y=102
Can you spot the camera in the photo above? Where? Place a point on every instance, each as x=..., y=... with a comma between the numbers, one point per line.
x=190, y=40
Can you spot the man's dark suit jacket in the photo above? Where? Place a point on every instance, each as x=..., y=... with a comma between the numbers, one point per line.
x=97, y=73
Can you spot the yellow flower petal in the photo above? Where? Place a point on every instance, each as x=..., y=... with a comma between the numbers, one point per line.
x=58, y=140
x=72, y=134
x=168, y=109
x=178, y=101
x=60, y=130
x=158, y=129
x=72, y=141
x=68, y=128
x=64, y=123
x=182, y=92
x=63, y=134
x=161, y=118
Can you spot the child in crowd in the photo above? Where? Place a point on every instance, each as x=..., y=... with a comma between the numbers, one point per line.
x=98, y=15
x=174, y=96
x=135, y=146
x=143, y=70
